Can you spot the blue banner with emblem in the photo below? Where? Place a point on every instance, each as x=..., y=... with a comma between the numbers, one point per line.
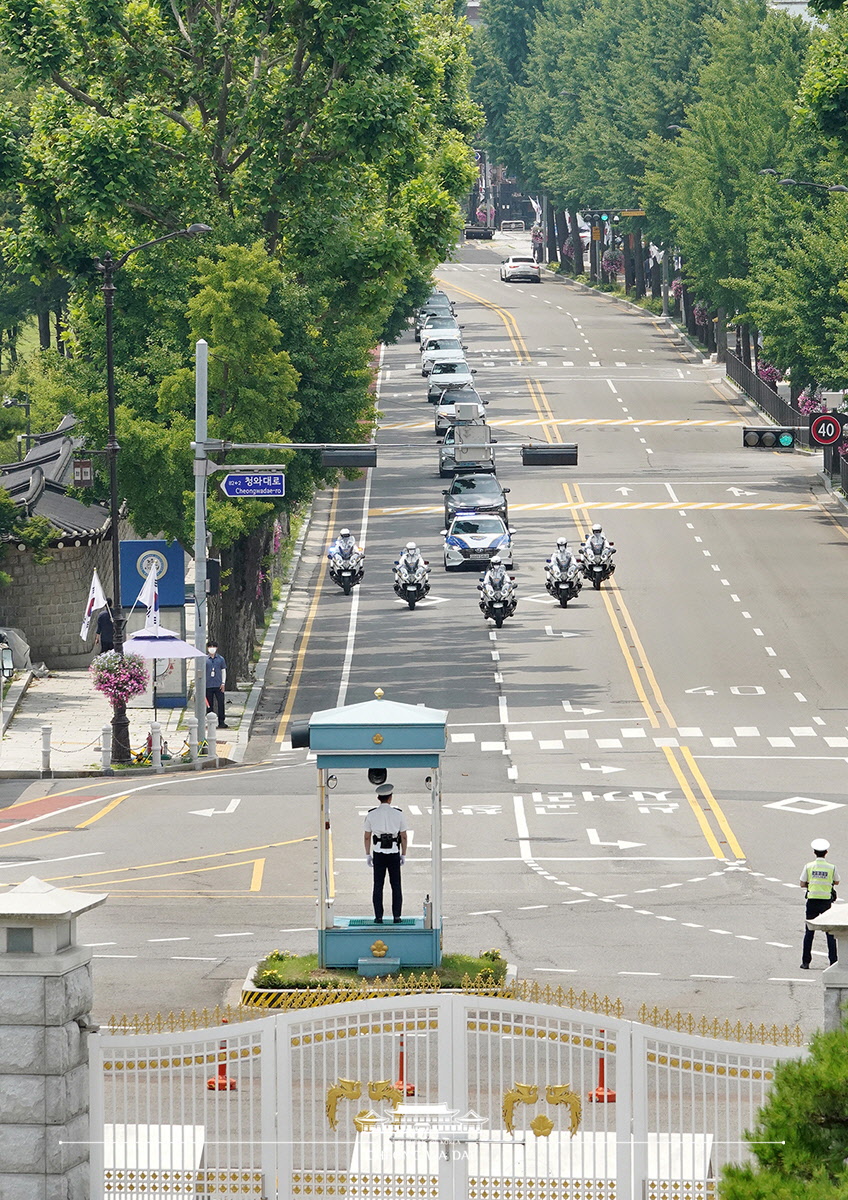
x=136, y=559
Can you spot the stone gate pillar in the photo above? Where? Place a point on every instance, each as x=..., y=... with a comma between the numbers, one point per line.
x=835, y=978
x=45, y=1000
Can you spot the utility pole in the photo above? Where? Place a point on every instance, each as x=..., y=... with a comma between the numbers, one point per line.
x=201, y=377
x=665, y=282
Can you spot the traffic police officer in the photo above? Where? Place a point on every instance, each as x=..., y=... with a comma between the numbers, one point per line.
x=819, y=878
x=385, y=851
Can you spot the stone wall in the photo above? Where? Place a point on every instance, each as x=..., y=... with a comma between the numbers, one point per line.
x=44, y=1122
x=48, y=601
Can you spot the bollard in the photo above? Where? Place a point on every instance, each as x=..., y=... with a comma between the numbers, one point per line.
x=106, y=749
x=156, y=745
x=221, y=1082
x=46, y=734
x=193, y=755
x=212, y=737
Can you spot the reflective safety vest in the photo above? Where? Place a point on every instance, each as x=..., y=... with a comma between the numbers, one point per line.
x=820, y=879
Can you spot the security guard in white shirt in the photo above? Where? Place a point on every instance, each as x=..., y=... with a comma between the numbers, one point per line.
x=385, y=851
x=819, y=878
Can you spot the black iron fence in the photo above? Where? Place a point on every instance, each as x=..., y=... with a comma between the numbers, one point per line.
x=766, y=398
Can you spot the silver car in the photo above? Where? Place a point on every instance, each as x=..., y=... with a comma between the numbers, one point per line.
x=447, y=457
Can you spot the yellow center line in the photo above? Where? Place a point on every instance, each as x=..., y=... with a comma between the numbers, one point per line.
x=512, y=330
x=724, y=824
x=700, y=815
x=307, y=633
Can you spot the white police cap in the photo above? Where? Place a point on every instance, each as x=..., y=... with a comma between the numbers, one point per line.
x=385, y=789
x=820, y=844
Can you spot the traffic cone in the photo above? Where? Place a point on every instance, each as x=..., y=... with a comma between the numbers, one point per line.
x=602, y=1094
x=405, y=1089
x=220, y=1082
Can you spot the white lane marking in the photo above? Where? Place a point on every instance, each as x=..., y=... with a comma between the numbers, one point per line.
x=639, y=973
x=521, y=828
x=712, y=976
x=671, y=493
x=185, y=958
x=802, y=699
x=503, y=710
x=485, y=912
x=784, y=673
x=612, y=386
x=771, y=652
x=170, y=939
x=37, y=862
x=128, y=956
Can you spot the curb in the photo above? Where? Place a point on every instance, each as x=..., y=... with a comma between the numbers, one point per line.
x=13, y=698
x=268, y=643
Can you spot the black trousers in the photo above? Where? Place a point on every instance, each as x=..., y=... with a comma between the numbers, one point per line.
x=815, y=908
x=215, y=701
x=387, y=864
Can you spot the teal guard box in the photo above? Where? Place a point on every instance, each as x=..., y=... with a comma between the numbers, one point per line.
x=377, y=735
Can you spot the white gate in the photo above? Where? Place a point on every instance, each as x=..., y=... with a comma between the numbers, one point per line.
x=494, y=1098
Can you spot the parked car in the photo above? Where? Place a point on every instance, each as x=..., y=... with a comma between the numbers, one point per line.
x=446, y=410
x=471, y=540
x=475, y=493
x=447, y=456
x=521, y=266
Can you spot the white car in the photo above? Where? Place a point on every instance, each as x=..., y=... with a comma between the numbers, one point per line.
x=521, y=266
x=471, y=540
x=429, y=336
x=446, y=411
x=451, y=374
x=432, y=357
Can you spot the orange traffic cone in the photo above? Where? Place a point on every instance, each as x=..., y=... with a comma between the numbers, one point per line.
x=405, y=1089
x=220, y=1082
x=602, y=1094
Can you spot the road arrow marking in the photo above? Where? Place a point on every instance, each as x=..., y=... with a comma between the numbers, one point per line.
x=216, y=812
x=549, y=630
x=740, y=492
x=569, y=707
x=604, y=770
x=596, y=841
x=707, y=691
x=625, y=491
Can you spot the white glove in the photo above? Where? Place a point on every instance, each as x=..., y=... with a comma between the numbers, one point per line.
x=369, y=860
x=402, y=859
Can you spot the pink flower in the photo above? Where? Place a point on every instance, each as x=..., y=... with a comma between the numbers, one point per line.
x=119, y=677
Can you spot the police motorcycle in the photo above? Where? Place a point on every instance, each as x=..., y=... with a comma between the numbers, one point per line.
x=563, y=576
x=346, y=562
x=412, y=575
x=497, y=593
x=597, y=562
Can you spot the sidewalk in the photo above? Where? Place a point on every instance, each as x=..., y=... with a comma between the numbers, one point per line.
x=67, y=701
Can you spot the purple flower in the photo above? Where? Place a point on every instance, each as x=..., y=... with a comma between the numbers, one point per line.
x=812, y=400
x=701, y=313
x=119, y=677
x=677, y=288
x=769, y=374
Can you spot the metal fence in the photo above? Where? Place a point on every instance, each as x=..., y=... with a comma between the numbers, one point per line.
x=767, y=399
x=444, y=1097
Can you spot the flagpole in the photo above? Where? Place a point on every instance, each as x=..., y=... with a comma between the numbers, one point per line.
x=201, y=426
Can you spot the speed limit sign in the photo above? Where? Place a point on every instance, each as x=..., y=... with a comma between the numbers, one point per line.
x=826, y=428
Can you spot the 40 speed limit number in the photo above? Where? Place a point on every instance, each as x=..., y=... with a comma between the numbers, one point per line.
x=826, y=429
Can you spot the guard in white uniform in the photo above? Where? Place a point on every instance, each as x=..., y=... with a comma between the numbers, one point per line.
x=385, y=851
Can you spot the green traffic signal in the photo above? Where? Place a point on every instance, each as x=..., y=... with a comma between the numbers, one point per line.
x=786, y=439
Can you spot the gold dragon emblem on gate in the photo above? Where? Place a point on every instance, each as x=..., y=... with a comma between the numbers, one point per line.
x=528, y=1093
x=351, y=1089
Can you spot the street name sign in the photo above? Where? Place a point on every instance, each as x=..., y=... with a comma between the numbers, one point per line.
x=243, y=485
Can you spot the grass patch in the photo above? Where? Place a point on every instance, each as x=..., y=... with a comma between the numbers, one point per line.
x=283, y=970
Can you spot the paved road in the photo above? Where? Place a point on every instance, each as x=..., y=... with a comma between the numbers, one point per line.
x=631, y=783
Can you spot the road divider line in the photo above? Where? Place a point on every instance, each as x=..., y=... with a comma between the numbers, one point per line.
x=256, y=877
x=700, y=815
x=724, y=825
x=512, y=330
x=103, y=811
x=307, y=633
x=521, y=828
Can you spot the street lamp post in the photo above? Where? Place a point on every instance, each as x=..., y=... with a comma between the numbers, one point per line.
x=821, y=187
x=107, y=266
x=9, y=402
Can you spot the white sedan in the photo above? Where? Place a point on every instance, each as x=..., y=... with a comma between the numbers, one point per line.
x=434, y=356
x=520, y=266
x=471, y=540
x=451, y=374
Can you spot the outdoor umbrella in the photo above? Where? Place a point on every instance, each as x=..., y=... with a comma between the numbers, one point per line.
x=154, y=641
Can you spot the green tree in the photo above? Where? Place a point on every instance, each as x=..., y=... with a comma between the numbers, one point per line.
x=800, y=1139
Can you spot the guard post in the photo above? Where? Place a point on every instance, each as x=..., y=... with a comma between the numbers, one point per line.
x=378, y=736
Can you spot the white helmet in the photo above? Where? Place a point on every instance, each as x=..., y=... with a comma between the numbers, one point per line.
x=345, y=533
x=597, y=529
x=411, y=546
x=496, y=561
x=561, y=543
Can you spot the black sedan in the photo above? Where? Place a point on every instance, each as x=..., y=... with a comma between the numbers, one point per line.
x=479, y=493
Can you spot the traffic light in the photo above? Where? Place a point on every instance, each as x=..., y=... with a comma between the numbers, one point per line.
x=564, y=455
x=769, y=437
